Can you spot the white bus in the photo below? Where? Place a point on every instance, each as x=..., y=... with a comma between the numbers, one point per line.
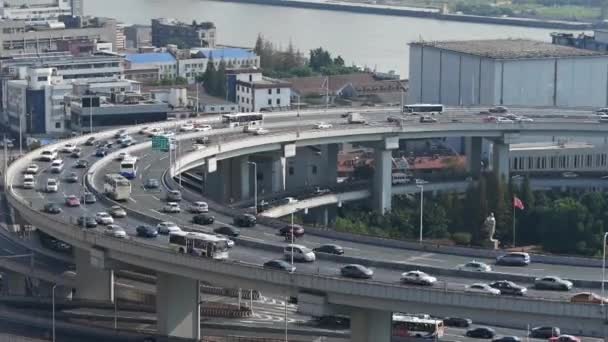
x=423, y=108
x=199, y=244
x=128, y=167
x=117, y=187
x=416, y=328
x=243, y=119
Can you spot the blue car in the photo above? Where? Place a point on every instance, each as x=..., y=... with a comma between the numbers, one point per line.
x=147, y=231
x=101, y=152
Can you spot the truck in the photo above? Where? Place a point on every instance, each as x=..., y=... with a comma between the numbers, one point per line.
x=356, y=118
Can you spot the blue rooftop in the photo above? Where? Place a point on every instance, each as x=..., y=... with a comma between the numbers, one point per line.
x=226, y=53
x=153, y=57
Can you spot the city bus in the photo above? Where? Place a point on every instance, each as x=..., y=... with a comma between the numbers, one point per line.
x=416, y=328
x=117, y=187
x=423, y=108
x=199, y=244
x=243, y=119
x=128, y=167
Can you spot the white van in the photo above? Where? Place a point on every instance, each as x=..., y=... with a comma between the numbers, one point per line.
x=399, y=178
x=356, y=118
x=300, y=253
x=28, y=181
x=48, y=155
x=57, y=166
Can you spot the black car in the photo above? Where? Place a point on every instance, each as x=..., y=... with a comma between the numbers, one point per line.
x=245, y=220
x=146, y=231
x=334, y=322
x=356, y=271
x=228, y=231
x=544, y=332
x=52, y=208
x=81, y=164
x=457, y=322
x=90, y=141
x=481, y=332
x=76, y=153
x=101, y=152
x=507, y=339
x=509, y=288
x=279, y=265
x=72, y=177
x=329, y=249
x=203, y=219
x=152, y=183
x=87, y=221
x=89, y=198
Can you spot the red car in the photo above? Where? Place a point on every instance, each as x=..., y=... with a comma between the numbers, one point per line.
x=490, y=119
x=72, y=201
x=565, y=338
x=297, y=230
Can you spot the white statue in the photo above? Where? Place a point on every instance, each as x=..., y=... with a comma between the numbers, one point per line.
x=490, y=228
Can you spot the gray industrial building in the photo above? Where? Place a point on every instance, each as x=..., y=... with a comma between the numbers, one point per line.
x=507, y=72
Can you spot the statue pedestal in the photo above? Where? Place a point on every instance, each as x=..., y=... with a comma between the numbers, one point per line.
x=495, y=243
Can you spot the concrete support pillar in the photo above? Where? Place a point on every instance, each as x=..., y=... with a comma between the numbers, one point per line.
x=382, y=191
x=473, y=153
x=91, y=282
x=178, y=306
x=500, y=160
x=370, y=325
x=332, y=164
x=14, y=284
x=244, y=177
x=278, y=174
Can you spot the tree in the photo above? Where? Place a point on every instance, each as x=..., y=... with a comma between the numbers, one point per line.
x=220, y=80
x=319, y=58
x=339, y=61
x=210, y=76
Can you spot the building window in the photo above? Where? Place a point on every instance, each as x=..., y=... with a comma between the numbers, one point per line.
x=42, y=78
x=291, y=170
x=279, y=102
x=212, y=109
x=247, y=101
x=269, y=91
x=222, y=109
x=270, y=102
x=58, y=125
x=250, y=78
x=238, y=98
x=278, y=90
x=314, y=169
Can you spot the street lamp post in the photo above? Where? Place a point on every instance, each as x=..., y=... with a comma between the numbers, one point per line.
x=291, y=232
x=604, y=266
x=421, y=187
x=255, y=185
x=53, y=304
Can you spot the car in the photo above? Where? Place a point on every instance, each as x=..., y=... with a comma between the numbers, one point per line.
x=122, y=156
x=544, y=332
x=52, y=208
x=32, y=169
x=329, y=248
x=299, y=253
x=118, y=212
x=77, y=153
x=261, y=131
x=296, y=229
x=81, y=164
x=187, y=127
x=174, y=196
x=588, y=298
x=481, y=288
x=228, y=231
x=89, y=198
x=481, y=332
x=115, y=230
x=87, y=222
x=67, y=148
x=475, y=266
x=564, y=338
x=72, y=177
x=503, y=120
x=172, y=207
x=418, y=278
x=244, y=220
x=230, y=243
x=90, y=141
x=29, y=182
x=57, y=166
x=104, y=218
x=419, y=181
x=569, y=174
x=101, y=152
x=524, y=119
x=490, y=119
x=52, y=185
x=333, y=322
x=498, y=109
x=146, y=231
x=356, y=271
x=72, y=201
x=508, y=288
x=198, y=207
x=514, y=259
x=280, y=265
x=323, y=125
x=202, y=127
x=167, y=228
x=203, y=219
x=289, y=200
x=152, y=183
x=552, y=283
x=507, y=339
x=457, y=322
x=120, y=133
x=143, y=130
x=427, y=119
x=7, y=142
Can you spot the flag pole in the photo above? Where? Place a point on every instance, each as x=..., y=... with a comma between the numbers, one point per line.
x=513, y=208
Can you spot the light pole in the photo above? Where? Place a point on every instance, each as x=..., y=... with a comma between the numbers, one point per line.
x=291, y=232
x=20, y=135
x=90, y=114
x=255, y=186
x=421, y=187
x=53, y=304
x=604, y=266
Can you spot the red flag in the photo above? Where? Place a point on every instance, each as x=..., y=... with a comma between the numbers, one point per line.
x=517, y=203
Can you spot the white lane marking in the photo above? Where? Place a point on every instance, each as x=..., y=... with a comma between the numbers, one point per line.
x=132, y=200
x=426, y=257
x=10, y=251
x=156, y=211
x=156, y=197
x=163, y=158
x=147, y=167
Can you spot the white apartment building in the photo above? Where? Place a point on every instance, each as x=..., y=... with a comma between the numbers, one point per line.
x=39, y=10
x=255, y=93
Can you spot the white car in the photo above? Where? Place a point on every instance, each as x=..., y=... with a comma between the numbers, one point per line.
x=52, y=185
x=167, y=228
x=187, y=127
x=199, y=207
x=172, y=207
x=229, y=242
x=501, y=119
x=482, y=288
x=197, y=147
x=569, y=174
x=115, y=231
x=418, y=278
x=168, y=134
x=203, y=128
x=28, y=181
x=290, y=200
x=420, y=181
x=323, y=125
x=68, y=148
x=104, y=218
x=524, y=119
x=32, y=168
x=261, y=131
x=475, y=266
x=123, y=156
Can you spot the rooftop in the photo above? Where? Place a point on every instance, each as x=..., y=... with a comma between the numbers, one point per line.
x=510, y=48
x=550, y=146
x=225, y=53
x=152, y=57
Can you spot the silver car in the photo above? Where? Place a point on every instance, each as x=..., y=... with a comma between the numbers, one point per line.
x=552, y=283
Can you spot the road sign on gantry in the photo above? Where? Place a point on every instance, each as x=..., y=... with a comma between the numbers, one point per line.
x=160, y=143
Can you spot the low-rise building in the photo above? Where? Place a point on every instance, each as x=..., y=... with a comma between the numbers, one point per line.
x=544, y=158
x=41, y=10
x=164, y=62
x=598, y=41
x=259, y=93
x=167, y=31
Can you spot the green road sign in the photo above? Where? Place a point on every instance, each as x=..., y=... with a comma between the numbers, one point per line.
x=160, y=143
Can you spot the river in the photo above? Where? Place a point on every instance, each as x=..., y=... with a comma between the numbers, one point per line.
x=375, y=41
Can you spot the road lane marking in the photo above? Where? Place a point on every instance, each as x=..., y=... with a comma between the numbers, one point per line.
x=132, y=200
